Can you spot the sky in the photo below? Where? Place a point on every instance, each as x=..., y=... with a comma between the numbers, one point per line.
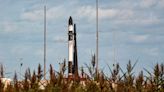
x=128, y=30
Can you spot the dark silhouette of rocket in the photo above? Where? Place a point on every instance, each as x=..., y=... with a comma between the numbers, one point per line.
x=75, y=59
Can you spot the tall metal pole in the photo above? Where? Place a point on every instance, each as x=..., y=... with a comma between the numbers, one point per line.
x=114, y=42
x=45, y=42
x=97, y=35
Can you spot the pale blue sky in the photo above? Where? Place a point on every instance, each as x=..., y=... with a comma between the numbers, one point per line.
x=134, y=28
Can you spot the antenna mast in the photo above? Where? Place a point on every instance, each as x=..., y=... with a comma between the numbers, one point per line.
x=45, y=41
x=115, y=50
x=97, y=37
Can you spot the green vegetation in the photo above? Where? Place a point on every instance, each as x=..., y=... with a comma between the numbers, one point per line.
x=118, y=81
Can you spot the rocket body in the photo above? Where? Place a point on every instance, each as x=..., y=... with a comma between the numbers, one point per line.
x=72, y=51
x=70, y=46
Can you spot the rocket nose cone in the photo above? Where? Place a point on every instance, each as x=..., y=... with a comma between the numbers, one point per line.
x=70, y=21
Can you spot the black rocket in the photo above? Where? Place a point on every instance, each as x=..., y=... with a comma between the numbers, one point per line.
x=75, y=59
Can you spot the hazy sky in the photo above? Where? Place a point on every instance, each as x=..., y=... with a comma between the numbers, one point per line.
x=128, y=29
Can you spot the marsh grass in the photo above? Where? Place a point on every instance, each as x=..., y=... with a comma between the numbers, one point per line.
x=118, y=81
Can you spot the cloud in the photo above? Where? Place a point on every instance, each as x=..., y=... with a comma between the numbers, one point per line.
x=161, y=3
x=139, y=38
x=115, y=13
x=81, y=12
x=151, y=3
x=39, y=52
x=56, y=12
x=38, y=14
x=152, y=19
x=19, y=50
x=59, y=39
x=33, y=15
x=9, y=26
x=118, y=15
x=89, y=12
x=151, y=51
x=105, y=13
x=86, y=11
x=139, y=19
x=148, y=3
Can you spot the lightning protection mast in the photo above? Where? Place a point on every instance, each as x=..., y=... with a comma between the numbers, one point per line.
x=45, y=41
x=97, y=35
